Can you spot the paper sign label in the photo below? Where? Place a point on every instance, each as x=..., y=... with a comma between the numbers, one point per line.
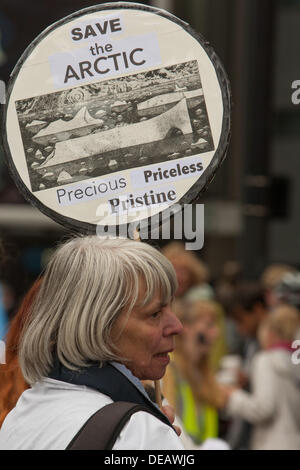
x=120, y=108
x=163, y=196
x=100, y=28
x=101, y=60
x=97, y=189
x=167, y=172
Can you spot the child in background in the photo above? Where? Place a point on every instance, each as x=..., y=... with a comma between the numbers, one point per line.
x=273, y=406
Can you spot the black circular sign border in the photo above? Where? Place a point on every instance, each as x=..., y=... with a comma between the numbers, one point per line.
x=198, y=188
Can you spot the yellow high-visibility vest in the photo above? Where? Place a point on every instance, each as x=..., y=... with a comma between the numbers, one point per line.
x=199, y=423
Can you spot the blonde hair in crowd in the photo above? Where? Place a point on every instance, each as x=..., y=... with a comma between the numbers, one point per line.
x=196, y=310
x=86, y=285
x=283, y=320
x=177, y=254
x=205, y=390
x=274, y=273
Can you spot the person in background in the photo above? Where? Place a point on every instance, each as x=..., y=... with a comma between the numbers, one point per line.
x=192, y=274
x=187, y=441
x=225, y=286
x=189, y=384
x=271, y=278
x=192, y=278
x=288, y=290
x=12, y=382
x=248, y=310
x=273, y=406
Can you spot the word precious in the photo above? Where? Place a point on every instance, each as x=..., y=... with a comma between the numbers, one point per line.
x=85, y=192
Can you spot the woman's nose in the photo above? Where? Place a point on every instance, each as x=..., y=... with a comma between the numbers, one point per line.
x=173, y=325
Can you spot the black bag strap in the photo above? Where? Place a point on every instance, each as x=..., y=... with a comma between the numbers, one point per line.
x=101, y=430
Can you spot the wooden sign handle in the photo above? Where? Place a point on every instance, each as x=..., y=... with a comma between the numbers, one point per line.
x=158, y=393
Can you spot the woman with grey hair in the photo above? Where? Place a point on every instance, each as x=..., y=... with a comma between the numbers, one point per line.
x=100, y=323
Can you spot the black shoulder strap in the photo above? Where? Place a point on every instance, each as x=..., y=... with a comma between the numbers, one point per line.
x=102, y=429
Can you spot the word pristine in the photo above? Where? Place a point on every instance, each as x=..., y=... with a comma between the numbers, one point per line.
x=150, y=198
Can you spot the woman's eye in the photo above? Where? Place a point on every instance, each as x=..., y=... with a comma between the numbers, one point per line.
x=156, y=314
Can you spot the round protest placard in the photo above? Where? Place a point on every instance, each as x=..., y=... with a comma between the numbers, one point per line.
x=115, y=114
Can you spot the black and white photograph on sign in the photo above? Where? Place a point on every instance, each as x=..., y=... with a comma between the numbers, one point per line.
x=118, y=124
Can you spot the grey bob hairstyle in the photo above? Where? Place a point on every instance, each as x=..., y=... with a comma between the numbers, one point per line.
x=86, y=285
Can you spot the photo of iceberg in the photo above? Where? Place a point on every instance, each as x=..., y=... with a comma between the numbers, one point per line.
x=117, y=124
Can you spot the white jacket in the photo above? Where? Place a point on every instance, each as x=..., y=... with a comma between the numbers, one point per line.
x=274, y=406
x=50, y=414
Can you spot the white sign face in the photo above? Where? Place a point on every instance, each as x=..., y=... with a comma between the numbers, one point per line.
x=116, y=104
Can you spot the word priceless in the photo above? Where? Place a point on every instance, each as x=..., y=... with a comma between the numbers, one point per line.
x=172, y=172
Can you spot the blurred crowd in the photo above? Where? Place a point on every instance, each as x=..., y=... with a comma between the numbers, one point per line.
x=234, y=377
x=235, y=373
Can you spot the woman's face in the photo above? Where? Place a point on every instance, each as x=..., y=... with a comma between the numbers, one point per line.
x=266, y=337
x=200, y=336
x=147, y=337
